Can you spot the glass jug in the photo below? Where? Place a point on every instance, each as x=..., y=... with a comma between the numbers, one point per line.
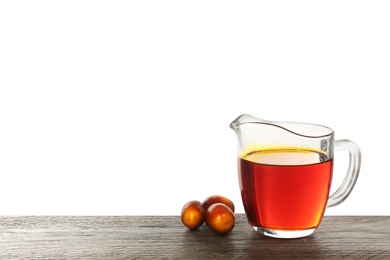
x=285, y=174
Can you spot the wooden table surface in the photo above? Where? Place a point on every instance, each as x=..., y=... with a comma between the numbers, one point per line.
x=164, y=237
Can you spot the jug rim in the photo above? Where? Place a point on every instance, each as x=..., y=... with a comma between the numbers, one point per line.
x=292, y=127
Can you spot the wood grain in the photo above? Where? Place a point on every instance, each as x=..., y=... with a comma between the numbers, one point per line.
x=164, y=237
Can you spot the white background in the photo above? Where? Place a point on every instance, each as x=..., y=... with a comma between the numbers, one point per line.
x=123, y=107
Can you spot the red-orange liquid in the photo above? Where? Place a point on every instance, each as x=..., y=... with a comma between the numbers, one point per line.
x=281, y=196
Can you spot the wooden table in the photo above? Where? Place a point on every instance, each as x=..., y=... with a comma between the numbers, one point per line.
x=164, y=237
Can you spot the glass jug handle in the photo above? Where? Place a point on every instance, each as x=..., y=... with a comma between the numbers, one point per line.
x=352, y=174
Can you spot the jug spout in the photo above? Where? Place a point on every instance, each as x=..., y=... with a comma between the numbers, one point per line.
x=245, y=119
x=249, y=130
